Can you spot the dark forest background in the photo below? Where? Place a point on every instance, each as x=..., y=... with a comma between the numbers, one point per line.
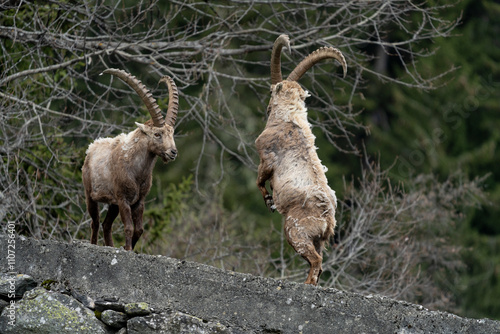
x=410, y=136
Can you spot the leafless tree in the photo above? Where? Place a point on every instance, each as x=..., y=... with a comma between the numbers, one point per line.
x=397, y=241
x=54, y=103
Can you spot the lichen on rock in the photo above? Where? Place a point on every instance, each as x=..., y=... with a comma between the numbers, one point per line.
x=174, y=322
x=51, y=312
x=136, y=309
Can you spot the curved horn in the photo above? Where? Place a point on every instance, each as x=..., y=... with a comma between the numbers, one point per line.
x=279, y=43
x=173, y=100
x=143, y=92
x=315, y=57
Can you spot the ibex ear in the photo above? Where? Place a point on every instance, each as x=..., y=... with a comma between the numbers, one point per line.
x=279, y=86
x=144, y=128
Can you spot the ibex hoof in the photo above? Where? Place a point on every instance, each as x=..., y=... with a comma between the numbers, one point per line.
x=270, y=203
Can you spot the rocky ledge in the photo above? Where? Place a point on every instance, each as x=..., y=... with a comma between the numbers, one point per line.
x=94, y=289
x=52, y=308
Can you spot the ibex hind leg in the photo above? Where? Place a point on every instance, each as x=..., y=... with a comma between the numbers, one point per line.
x=317, y=256
x=305, y=247
x=93, y=209
x=314, y=259
x=108, y=223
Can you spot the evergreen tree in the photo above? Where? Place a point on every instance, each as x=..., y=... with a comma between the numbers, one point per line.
x=450, y=129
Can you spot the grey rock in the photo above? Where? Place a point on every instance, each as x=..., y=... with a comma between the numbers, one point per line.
x=173, y=323
x=137, y=309
x=85, y=300
x=146, y=325
x=45, y=312
x=114, y=319
x=20, y=283
x=3, y=304
x=109, y=304
x=55, y=286
x=240, y=302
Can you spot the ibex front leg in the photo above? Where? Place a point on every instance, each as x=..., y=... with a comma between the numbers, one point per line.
x=126, y=216
x=264, y=175
x=137, y=211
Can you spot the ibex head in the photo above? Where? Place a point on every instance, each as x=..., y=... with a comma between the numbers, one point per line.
x=160, y=131
x=289, y=89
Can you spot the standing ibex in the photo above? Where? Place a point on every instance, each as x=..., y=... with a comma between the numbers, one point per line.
x=288, y=159
x=118, y=171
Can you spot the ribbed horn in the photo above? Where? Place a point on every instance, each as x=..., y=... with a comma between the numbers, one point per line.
x=279, y=43
x=315, y=57
x=143, y=92
x=173, y=100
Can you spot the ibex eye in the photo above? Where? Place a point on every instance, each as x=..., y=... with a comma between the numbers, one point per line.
x=157, y=135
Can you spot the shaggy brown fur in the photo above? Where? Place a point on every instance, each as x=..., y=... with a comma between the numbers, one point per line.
x=288, y=160
x=118, y=171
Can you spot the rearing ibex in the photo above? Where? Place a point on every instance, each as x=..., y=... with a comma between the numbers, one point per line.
x=118, y=171
x=288, y=160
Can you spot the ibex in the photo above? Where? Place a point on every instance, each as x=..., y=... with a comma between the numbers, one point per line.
x=288, y=160
x=118, y=171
